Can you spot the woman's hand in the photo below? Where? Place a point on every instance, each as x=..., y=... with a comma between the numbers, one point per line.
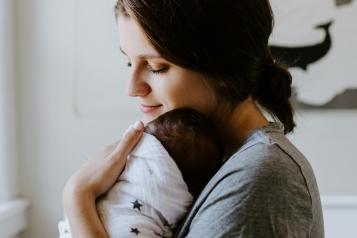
x=93, y=179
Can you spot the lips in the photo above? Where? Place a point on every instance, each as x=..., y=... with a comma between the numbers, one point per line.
x=149, y=108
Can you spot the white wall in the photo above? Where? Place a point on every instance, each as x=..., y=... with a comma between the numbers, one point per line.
x=70, y=83
x=55, y=138
x=328, y=139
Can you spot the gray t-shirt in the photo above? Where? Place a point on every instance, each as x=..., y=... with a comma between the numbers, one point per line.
x=266, y=189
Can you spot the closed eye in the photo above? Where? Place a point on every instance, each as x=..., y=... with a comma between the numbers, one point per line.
x=159, y=71
x=154, y=71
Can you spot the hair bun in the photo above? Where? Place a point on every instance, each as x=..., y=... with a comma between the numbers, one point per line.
x=273, y=91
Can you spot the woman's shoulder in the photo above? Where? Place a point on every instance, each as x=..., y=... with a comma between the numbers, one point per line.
x=266, y=154
x=268, y=157
x=267, y=178
x=268, y=150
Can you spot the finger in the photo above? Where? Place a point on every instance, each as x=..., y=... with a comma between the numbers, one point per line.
x=110, y=148
x=128, y=141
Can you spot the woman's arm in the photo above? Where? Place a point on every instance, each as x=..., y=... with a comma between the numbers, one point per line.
x=82, y=216
x=93, y=179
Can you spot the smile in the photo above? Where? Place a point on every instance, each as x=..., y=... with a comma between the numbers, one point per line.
x=149, y=109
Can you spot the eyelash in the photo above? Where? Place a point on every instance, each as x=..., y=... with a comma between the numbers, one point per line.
x=159, y=71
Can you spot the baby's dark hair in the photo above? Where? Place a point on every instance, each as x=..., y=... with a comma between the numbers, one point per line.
x=193, y=142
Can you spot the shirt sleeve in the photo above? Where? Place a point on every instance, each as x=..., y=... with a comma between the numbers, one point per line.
x=267, y=199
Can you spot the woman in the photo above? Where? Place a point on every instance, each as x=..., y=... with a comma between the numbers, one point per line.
x=211, y=56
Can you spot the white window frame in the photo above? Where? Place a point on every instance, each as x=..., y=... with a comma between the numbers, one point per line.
x=7, y=117
x=12, y=209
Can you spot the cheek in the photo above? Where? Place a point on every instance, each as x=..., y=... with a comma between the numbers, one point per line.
x=205, y=103
x=171, y=92
x=185, y=90
x=194, y=96
x=203, y=98
x=176, y=96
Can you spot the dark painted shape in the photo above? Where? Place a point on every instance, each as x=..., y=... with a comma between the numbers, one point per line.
x=342, y=2
x=302, y=57
x=345, y=100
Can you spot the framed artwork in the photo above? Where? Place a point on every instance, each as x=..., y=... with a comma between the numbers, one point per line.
x=318, y=41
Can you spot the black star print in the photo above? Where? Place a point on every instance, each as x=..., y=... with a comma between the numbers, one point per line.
x=135, y=230
x=137, y=205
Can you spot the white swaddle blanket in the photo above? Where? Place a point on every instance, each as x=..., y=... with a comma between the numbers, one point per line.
x=149, y=198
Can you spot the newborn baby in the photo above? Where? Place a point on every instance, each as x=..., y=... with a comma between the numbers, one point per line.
x=177, y=155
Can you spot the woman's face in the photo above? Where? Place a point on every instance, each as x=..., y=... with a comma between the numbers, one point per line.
x=160, y=85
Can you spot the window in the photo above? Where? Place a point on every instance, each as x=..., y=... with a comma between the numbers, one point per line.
x=7, y=112
x=12, y=211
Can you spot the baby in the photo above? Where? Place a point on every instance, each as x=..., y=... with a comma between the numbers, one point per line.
x=177, y=155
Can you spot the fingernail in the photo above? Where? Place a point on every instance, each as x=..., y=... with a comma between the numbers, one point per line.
x=138, y=125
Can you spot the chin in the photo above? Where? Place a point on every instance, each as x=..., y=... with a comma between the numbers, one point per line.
x=146, y=119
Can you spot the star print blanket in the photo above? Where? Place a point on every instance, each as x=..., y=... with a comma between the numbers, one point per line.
x=149, y=198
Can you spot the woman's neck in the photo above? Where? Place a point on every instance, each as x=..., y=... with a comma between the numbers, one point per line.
x=236, y=127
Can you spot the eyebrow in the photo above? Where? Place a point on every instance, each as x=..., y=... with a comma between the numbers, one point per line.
x=143, y=56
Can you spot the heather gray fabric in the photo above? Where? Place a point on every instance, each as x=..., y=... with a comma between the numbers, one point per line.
x=266, y=189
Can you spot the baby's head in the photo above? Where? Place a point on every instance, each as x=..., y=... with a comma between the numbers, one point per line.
x=193, y=142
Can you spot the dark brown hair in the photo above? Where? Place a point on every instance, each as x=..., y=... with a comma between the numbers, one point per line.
x=193, y=142
x=225, y=40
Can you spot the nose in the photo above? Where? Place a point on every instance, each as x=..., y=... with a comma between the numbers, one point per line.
x=138, y=87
